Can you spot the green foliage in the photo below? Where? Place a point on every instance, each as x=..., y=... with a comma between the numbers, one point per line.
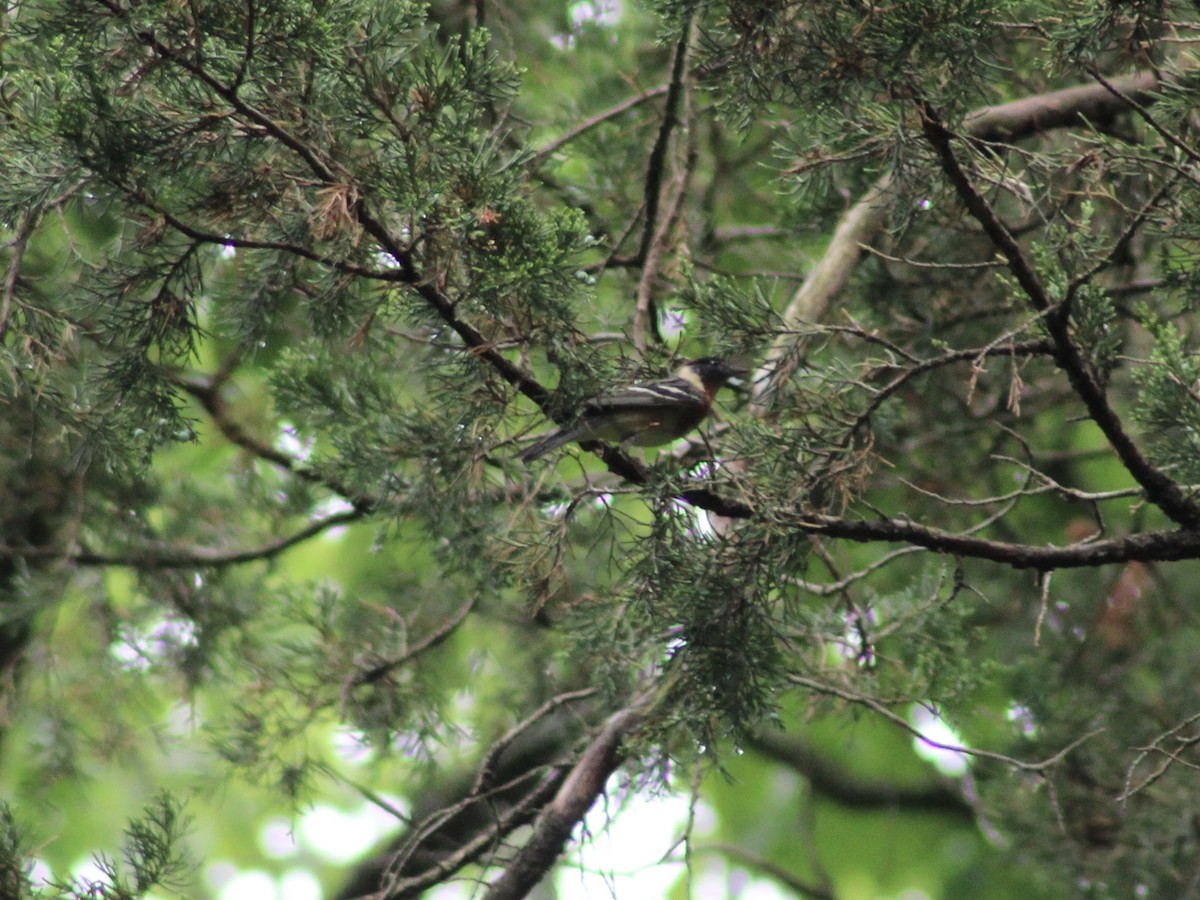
x=151, y=857
x=14, y=855
x=286, y=285
x=1167, y=402
x=843, y=57
x=718, y=613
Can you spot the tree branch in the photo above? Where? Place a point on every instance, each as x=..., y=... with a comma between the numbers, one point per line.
x=1160, y=490
x=207, y=392
x=835, y=782
x=880, y=708
x=657, y=164
x=431, y=640
x=514, y=817
x=772, y=870
x=1153, y=546
x=459, y=808
x=208, y=237
x=167, y=556
x=327, y=173
x=654, y=235
x=859, y=227
x=1026, y=348
x=1088, y=104
x=26, y=224
x=588, y=124
x=578, y=792
x=1137, y=101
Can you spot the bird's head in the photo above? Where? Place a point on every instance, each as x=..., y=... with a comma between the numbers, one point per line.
x=710, y=373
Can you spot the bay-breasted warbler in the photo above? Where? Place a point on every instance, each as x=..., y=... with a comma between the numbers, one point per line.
x=646, y=414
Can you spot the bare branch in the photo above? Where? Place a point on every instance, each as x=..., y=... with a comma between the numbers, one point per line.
x=488, y=765
x=836, y=587
x=540, y=792
x=654, y=234
x=1028, y=348
x=467, y=816
x=1153, y=546
x=578, y=792
x=1171, y=755
x=588, y=124
x=431, y=640
x=859, y=792
x=1123, y=239
x=167, y=556
x=770, y=869
x=880, y=708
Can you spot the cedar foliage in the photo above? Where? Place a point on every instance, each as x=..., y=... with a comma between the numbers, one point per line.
x=289, y=284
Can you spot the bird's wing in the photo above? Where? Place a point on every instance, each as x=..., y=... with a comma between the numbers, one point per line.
x=640, y=396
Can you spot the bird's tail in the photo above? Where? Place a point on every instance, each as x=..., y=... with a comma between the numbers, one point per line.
x=548, y=443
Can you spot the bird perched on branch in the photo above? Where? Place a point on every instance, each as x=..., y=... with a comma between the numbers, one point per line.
x=646, y=414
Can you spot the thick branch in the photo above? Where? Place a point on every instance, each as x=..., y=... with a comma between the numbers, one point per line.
x=835, y=782
x=1092, y=104
x=859, y=227
x=1153, y=546
x=657, y=164
x=655, y=234
x=554, y=826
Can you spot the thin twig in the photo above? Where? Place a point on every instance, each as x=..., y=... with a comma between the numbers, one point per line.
x=431, y=640
x=1170, y=758
x=1132, y=102
x=898, y=720
x=169, y=556
x=773, y=870
x=587, y=125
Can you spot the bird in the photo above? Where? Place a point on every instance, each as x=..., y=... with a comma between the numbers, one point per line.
x=646, y=414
